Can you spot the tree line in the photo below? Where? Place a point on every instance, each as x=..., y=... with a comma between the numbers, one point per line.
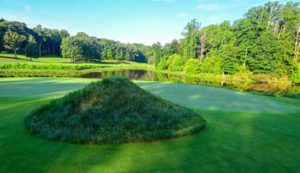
x=266, y=40
x=39, y=41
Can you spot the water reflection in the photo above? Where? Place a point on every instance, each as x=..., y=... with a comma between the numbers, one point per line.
x=269, y=88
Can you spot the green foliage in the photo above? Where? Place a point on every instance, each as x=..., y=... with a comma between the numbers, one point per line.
x=175, y=63
x=170, y=49
x=13, y=41
x=115, y=50
x=265, y=41
x=80, y=46
x=157, y=53
x=212, y=64
x=162, y=65
x=32, y=48
x=49, y=40
x=100, y=113
x=2, y=31
x=189, y=45
x=192, y=66
x=296, y=75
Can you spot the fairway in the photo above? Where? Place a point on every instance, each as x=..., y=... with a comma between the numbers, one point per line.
x=245, y=133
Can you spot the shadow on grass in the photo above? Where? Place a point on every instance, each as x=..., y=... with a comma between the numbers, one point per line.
x=232, y=142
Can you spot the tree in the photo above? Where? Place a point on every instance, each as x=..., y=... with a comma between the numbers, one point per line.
x=190, y=43
x=1, y=37
x=49, y=40
x=175, y=63
x=13, y=41
x=170, y=49
x=80, y=46
x=32, y=48
x=201, y=50
x=157, y=53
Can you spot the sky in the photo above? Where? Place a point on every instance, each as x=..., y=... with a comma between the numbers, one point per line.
x=128, y=21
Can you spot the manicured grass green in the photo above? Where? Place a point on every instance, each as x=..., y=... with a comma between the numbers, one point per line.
x=235, y=140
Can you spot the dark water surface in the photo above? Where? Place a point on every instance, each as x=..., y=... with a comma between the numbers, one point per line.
x=280, y=88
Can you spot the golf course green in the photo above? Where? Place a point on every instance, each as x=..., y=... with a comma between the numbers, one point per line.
x=245, y=133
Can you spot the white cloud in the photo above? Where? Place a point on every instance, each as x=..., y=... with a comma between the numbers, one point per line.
x=182, y=14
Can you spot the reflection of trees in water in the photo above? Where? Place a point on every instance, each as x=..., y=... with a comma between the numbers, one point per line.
x=214, y=80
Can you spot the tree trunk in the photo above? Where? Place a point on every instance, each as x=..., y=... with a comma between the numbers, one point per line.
x=201, y=50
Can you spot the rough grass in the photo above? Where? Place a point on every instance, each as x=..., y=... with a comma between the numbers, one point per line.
x=235, y=140
x=113, y=110
x=59, y=67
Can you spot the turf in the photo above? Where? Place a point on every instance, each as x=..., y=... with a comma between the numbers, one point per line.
x=236, y=140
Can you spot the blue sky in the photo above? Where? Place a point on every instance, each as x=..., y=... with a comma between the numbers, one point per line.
x=129, y=21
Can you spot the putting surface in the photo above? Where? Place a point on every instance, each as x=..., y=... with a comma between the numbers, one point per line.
x=245, y=133
x=193, y=96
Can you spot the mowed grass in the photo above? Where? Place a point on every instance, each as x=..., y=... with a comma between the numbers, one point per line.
x=8, y=58
x=239, y=137
x=60, y=67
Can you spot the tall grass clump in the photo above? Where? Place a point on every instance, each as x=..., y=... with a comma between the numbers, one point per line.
x=114, y=110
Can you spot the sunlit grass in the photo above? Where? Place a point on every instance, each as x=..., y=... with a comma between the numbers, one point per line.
x=261, y=141
x=8, y=57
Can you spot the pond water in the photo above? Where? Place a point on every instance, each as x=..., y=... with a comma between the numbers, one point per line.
x=269, y=88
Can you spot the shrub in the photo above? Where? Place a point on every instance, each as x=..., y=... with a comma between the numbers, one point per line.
x=176, y=63
x=162, y=65
x=211, y=64
x=192, y=66
x=296, y=75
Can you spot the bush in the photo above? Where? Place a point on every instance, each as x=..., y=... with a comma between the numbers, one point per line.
x=296, y=75
x=162, y=65
x=211, y=64
x=192, y=66
x=175, y=63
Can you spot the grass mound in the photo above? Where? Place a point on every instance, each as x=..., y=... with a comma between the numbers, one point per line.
x=114, y=110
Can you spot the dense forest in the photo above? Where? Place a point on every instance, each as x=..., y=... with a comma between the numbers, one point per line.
x=265, y=41
x=16, y=37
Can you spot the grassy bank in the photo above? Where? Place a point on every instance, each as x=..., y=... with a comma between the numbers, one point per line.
x=59, y=67
x=246, y=133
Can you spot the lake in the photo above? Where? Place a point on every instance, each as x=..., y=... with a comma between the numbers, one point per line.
x=272, y=88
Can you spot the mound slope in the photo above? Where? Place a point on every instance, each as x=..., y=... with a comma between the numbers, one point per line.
x=113, y=110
